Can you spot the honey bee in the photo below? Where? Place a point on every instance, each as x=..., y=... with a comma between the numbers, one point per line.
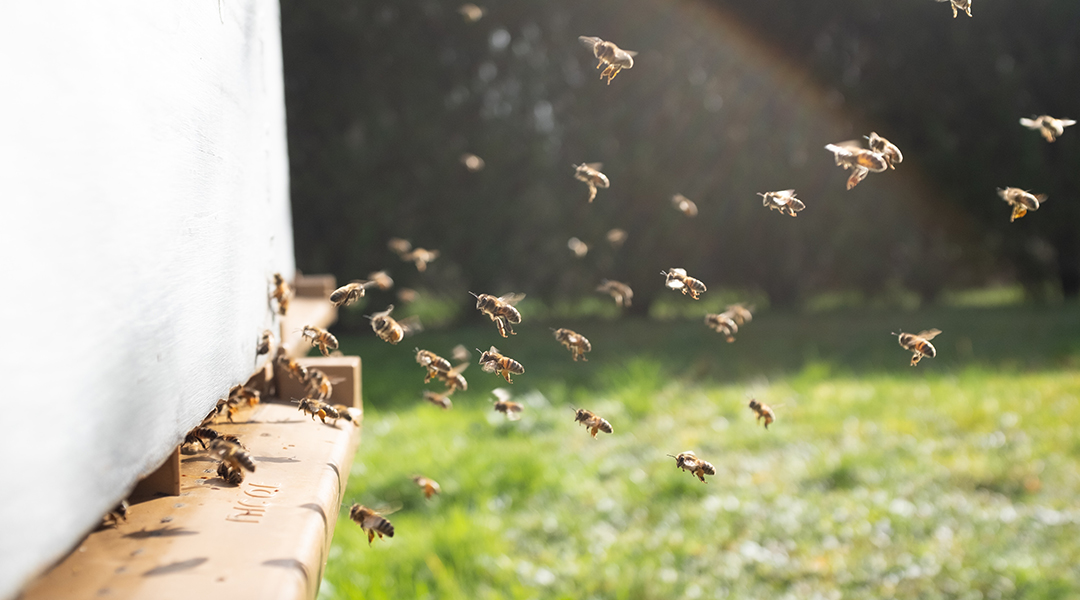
x=501, y=310
x=430, y=486
x=349, y=413
x=321, y=338
x=860, y=160
x=229, y=407
x=471, y=161
x=420, y=257
x=117, y=514
x=888, y=150
x=609, y=54
x=200, y=435
x=440, y=400
x=919, y=344
x=763, y=411
x=619, y=291
x=1048, y=126
x=684, y=205
x=317, y=408
x=958, y=5
x=578, y=247
x=722, y=323
x=381, y=280
x=282, y=293
x=233, y=454
x=239, y=395
x=592, y=421
x=503, y=404
x=591, y=175
x=295, y=370
x=453, y=379
x=318, y=384
x=688, y=461
x=349, y=293
x=398, y=245
x=783, y=201
x=616, y=237
x=265, y=340
x=677, y=279
x=230, y=474
x=1021, y=201
x=371, y=522
x=574, y=342
x=432, y=362
x=460, y=353
x=493, y=362
x=390, y=330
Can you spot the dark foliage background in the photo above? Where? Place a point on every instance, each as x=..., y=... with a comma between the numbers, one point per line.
x=727, y=99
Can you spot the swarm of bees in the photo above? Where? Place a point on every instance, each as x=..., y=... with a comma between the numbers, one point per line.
x=609, y=54
x=591, y=175
x=576, y=343
x=592, y=421
x=688, y=461
x=918, y=344
x=1050, y=128
x=677, y=279
x=1021, y=201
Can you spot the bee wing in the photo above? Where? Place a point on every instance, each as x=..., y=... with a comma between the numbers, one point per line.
x=460, y=353
x=1030, y=124
x=1067, y=122
x=512, y=298
x=595, y=166
x=674, y=284
x=411, y=325
x=459, y=368
x=784, y=193
x=589, y=42
x=929, y=334
x=513, y=411
x=502, y=394
x=628, y=52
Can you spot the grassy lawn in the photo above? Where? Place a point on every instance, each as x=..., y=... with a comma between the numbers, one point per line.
x=955, y=479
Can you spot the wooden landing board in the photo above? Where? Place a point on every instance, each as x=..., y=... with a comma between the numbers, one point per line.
x=267, y=538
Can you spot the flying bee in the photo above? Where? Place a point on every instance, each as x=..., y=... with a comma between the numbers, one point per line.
x=282, y=293
x=432, y=362
x=740, y=313
x=592, y=421
x=117, y=514
x=371, y=522
x=783, y=201
x=578, y=247
x=501, y=310
x=609, y=54
x=420, y=257
x=319, y=384
x=860, y=160
x=619, y=291
x=381, y=280
x=230, y=474
x=503, y=404
x=430, y=486
x=616, y=237
x=233, y=454
x=723, y=324
x=1048, y=126
x=398, y=245
x=453, y=379
x=918, y=344
x=316, y=408
x=888, y=150
x=472, y=162
x=265, y=340
x=295, y=370
x=1021, y=201
x=677, y=279
x=349, y=413
x=688, y=461
x=763, y=411
x=349, y=293
x=576, y=343
x=684, y=205
x=460, y=353
x=390, y=330
x=591, y=175
x=493, y=362
x=958, y=5
x=440, y=400
x=240, y=395
x=321, y=338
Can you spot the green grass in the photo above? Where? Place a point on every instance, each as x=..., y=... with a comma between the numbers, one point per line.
x=955, y=479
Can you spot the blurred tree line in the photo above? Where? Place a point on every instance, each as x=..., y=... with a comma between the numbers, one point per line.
x=726, y=99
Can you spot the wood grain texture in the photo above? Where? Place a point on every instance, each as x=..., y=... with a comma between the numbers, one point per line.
x=145, y=206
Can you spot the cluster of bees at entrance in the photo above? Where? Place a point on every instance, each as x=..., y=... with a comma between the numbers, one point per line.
x=878, y=156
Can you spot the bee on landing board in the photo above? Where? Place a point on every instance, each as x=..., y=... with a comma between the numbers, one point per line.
x=592, y=421
x=233, y=454
x=430, y=486
x=434, y=363
x=591, y=175
x=958, y=5
x=576, y=343
x=677, y=279
x=117, y=514
x=763, y=411
x=371, y=522
x=1048, y=126
x=501, y=310
x=918, y=344
x=390, y=330
x=440, y=400
x=1021, y=201
x=265, y=341
x=349, y=293
x=684, y=205
x=494, y=362
x=240, y=395
x=503, y=404
x=200, y=435
x=320, y=337
x=723, y=324
x=230, y=474
x=282, y=293
x=688, y=461
x=609, y=54
x=619, y=291
x=860, y=160
x=783, y=201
